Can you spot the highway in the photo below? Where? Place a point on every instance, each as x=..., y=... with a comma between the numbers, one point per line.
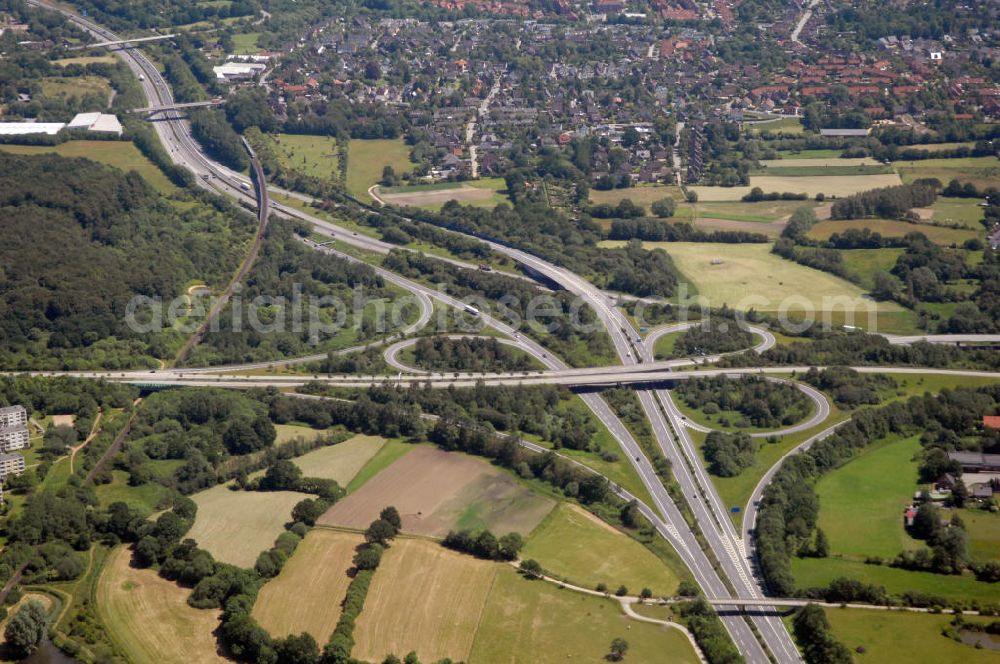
x=711, y=516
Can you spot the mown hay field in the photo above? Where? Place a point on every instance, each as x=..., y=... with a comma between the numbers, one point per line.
x=576, y=545
x=306, y=595
x=235, y=526
x=424, y=598
x=149, y=618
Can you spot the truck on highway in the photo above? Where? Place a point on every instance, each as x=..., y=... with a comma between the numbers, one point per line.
x=142, y=77
x=244, y=186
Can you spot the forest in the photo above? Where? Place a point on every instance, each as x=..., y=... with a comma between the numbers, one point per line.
x=477, y=354
x=115, y=238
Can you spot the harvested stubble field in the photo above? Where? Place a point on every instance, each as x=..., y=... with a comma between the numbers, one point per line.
x=438, y=491
x=306, y=595
x=340, y=462
x=423, y=598
x=149, y=618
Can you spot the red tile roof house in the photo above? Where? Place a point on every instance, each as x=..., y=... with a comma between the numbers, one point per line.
x=991, y=421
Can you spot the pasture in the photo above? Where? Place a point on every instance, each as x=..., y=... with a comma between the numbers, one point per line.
x=861, y=503
x=76, y=86
x=980, y=171
x=891, y=228
x=817, y=162
x=438, y=491
x=534, y=622
x=749, y=275
x=340, y=462
x=778, y=125
x=148, y=617
x=315, y=156
x=895, y=636
x=367, y=158
x=810, y=572
x=984, y=533
x=575, y=545
x=122, y=155
x=477, y=193
x=866, y=263
x=235, y=526
x=306, y=595
x=424, y=598
x=964, y=211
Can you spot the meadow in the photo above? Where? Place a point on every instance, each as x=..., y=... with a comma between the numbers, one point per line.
x=310, y=155
x=749, y=275
x=75, y=86
x=895, y=636
x=367, y=158
x=437, y=491
x=306, y=595
x=980, y=171
x=892, y=228
x=235, y=526
x=819, y=572
x=536, y=622
x=861, y=503
x=423, y=598
x=964, y=211
x=148, y=617
x=575, y=545
x=866, y=263
x=123, y=155
x=644, y=195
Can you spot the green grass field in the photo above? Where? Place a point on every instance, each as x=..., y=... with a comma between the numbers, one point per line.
x=964, y=211
x=664, y=347
x=76, y=86
x=535, y=622
x=813, y=572
x=120, y=154
x=866, y=263
x=809, y=154
x=761, y=211
x=146, y=496
x=749, y=275
x=980, y=171
x=483, y=193
x=892, y=228
x=245, y=43
x=310, y=155
x=367, y=158
x=781, y=125
x=895, y=636
x=861, y=503
x=575, y=545
x=984, y=533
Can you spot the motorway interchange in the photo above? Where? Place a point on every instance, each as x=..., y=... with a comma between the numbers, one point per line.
x=730, y=576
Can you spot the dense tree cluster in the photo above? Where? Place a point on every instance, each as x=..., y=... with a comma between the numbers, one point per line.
x=475, y=354
x=709, y=632
x=849, y=388
x=115, y=239
x=729, y=454
x=763, y=403
x=211, y=129
x=711, y=338
x=654, y=230
x=886, y=202
x=485, y=544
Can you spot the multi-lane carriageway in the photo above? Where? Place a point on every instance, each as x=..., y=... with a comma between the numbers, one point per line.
x=726, y=546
